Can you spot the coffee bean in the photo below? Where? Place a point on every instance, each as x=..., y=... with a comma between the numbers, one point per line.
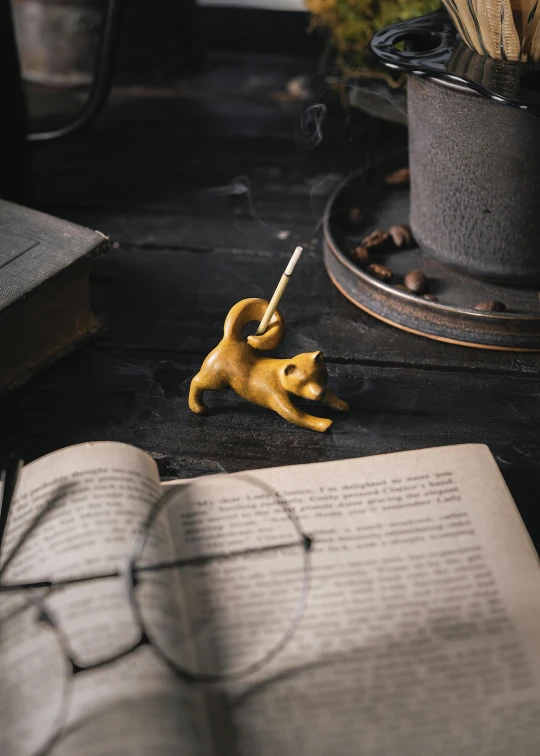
x=416, y=281
x=401, y=236
x=355, y=215
x=491, y=306
x=360, y=255
x=431, y=297
x=376, y=239
x=398, y=178
x=380, y=271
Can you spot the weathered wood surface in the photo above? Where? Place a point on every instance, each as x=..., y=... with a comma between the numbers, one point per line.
x=151, y=174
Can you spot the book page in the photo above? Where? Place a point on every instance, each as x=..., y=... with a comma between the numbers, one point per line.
x=420, y=632
x=92, y=498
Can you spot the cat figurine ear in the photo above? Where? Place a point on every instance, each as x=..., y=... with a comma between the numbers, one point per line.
x=238, y=362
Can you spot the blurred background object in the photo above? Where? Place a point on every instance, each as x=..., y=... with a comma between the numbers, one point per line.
x=59, y=39
x=349, y=27
x=352, y=24
x=15, y=173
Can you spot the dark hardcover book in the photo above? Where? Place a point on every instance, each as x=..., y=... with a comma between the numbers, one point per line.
x=44, y=290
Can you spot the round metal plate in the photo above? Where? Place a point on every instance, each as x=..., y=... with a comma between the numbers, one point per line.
x=453, y=318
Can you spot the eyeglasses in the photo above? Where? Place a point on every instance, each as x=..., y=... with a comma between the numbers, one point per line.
x=223, y=610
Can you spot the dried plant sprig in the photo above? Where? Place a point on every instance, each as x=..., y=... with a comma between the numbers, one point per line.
x=503, y=29
x=352, y=24
x=460, y=13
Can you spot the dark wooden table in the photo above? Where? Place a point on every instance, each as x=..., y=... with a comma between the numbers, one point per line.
x=162, y=172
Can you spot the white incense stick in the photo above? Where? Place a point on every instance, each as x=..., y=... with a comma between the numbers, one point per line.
x=284, y=280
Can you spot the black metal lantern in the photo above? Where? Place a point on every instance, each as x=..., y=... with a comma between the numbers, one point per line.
x=14, y=129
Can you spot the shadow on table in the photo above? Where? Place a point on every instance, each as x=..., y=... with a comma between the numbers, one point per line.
x=524, y=486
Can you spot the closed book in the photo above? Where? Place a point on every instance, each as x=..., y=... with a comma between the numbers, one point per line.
x=44, y=290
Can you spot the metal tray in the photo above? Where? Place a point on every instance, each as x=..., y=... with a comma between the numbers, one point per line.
x=453, y=318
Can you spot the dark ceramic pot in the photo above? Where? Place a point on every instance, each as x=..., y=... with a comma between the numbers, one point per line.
x=474, y=150
x=475, y=181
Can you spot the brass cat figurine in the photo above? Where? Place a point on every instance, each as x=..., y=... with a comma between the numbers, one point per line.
x=237, y=363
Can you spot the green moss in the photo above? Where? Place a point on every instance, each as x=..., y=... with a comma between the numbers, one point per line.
x=352, y=23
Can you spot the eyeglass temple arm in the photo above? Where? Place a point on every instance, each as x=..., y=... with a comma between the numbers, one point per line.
x=14, y=587
x=101, y=82
x=196, y=561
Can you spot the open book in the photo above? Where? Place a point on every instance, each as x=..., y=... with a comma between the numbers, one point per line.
x=411, y=625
